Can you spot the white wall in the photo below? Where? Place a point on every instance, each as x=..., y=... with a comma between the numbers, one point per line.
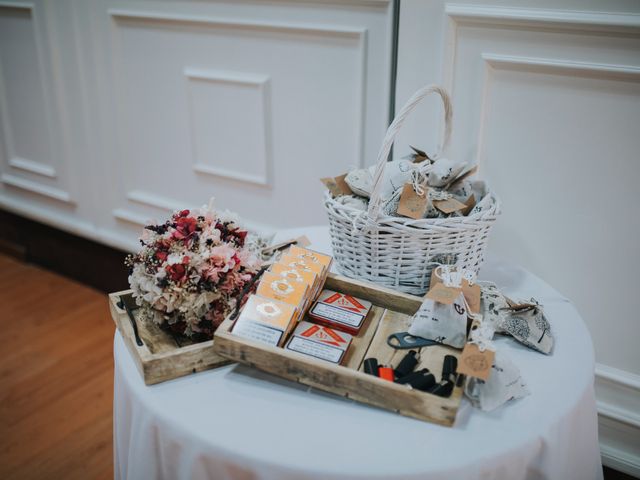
x=117, y=112
x=546, y=99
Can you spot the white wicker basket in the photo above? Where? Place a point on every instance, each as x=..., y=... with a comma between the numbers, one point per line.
x=401, y=252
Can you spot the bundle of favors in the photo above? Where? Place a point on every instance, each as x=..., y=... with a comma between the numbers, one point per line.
x=290, y=287
x=415, y=187
x=453, y=298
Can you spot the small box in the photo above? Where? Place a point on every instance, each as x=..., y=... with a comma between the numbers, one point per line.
x=294, y=275
x=265, y=320
x=311, y=257
x=275, y=287
x=340, y=311
x=305, y=266
x=320, y=342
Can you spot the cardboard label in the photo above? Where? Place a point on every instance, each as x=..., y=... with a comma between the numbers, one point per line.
x=411, y=204
x=420, y=155
x=464, y=174
x=475, y=363
x=441, y=294
x=471, y=293
x=470, y=203
x=337, y=186
x=449, y=206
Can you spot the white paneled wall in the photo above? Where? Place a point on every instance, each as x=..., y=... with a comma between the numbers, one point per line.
x=117, y=112
x=546, y=99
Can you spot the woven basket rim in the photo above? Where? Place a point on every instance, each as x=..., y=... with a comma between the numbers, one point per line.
x=393, y=221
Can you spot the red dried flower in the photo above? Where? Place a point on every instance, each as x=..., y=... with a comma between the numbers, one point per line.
x=185, y=227
x=177, y=272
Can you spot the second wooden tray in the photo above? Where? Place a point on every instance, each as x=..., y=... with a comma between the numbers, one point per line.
x=161, y=358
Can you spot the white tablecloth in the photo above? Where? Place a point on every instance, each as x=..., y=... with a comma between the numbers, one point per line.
x=239, y=423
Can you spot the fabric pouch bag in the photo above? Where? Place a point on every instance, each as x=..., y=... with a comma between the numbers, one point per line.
x=530, y=327
x=443, y=323
x=527, y=324
x=493, y=305
x=505, y=383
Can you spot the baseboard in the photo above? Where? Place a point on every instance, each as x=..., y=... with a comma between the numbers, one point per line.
x=618, y=399
x=89, y=262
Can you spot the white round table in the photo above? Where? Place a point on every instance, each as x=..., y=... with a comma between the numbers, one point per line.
x=238, y=423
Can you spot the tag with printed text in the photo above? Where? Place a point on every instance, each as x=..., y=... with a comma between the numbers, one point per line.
x=411, y=204
x=441, y=294
x=471, y=292
x=337, y=186
x=475, y=363
x=449, y=206
x=470, y=203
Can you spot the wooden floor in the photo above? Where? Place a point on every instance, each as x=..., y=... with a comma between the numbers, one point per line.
x=56, y=376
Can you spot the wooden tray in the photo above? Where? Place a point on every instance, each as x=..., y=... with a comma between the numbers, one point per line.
x=391, y=313
x=160, y=358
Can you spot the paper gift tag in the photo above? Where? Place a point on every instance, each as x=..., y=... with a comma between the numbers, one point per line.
x=470, y=203
x=411, y=204
x=449, y=206
x=466, y=173
x=441, y=294
x=475, y=363
x=337, y=186
x=420, y=155
x=472, y=293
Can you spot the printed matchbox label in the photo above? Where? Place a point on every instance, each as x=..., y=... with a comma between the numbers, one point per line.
x=257, y=331
x=315, y=349
x=340, y=308
x=336, y=314
x=265, y=320
x=319, y=341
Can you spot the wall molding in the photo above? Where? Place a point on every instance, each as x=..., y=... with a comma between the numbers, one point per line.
x=542, y=65
x=354, y=32
x=523, y=63
x=153, y=200
x=69, y=223
x=618, y=400
x=261, y=83
x=37, y=188
x=129, y=216
x=30, y=166
x=565, y=19
x=28, y=6
x=224, y=22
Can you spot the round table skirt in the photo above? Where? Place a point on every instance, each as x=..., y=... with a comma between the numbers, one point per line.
x=238, y=423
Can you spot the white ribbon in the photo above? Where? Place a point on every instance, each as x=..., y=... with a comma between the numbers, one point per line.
x=482, y=337
x=419, y=176
x=452, y=276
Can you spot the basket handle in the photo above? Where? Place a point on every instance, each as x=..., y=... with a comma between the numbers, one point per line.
x=390, y=137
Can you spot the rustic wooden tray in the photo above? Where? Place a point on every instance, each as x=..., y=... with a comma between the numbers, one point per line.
x=161, y=358
x=391, y=313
